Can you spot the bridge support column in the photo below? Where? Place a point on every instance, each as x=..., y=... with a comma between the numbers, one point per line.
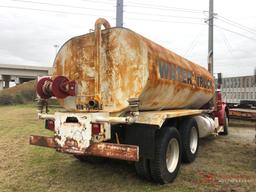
x=1, y=84
x=17, y=80
x=6, y=79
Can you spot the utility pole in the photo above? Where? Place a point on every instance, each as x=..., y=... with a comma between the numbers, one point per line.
x=210, y=37
x=119, y=13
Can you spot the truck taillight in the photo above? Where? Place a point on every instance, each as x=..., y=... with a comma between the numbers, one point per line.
x=96, y=128
x=49, y=124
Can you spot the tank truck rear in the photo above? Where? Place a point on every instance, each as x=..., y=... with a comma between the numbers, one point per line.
x=128, y=98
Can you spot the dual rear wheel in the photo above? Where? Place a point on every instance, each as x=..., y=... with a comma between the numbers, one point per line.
x=172, y=147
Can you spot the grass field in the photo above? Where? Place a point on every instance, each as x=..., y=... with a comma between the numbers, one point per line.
x=223, y=163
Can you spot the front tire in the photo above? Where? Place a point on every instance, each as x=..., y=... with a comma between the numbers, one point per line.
x=225, y=126
x=166, y=164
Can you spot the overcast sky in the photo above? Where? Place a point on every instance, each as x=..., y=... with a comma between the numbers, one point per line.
x=29, y=29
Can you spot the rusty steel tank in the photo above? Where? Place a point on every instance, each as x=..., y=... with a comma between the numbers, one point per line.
x=115, y=65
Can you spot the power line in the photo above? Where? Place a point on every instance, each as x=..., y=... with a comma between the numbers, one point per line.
x=244, y=66
x=101, y=2
x=50, y=11
x=230, y=23
x=193, y=44
x=152, y=6
x=166, y=7
x=60, y=5
x=236, y=24
x=164, y=21
x=228, y=46
x=240, y=34
x=242, y=58
x=230, y=50
x=161, y=15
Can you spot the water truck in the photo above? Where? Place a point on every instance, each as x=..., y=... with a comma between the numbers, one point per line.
x=126, y=97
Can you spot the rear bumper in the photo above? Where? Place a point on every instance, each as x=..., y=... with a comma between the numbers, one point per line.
x=110, y=150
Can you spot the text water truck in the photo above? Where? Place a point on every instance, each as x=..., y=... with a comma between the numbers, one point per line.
x=128, y=98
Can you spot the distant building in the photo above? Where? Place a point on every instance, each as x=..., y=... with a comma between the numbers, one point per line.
x=235, y=89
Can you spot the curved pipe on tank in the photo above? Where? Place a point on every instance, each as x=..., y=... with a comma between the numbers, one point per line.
x=102, y=21
x=99, y=22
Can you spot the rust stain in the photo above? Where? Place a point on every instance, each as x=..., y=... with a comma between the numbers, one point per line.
x=243, y=114
x=42, y=141
x=115, y=151
x=110, y=150
x=116, y=64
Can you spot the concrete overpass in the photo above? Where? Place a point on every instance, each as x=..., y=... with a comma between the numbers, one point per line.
x=20, y=73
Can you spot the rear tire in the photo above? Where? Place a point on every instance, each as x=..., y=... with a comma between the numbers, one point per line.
x=190, y=139
x=166, y=164
x=143, y=168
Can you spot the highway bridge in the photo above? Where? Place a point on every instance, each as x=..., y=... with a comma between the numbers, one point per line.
x=20, y=73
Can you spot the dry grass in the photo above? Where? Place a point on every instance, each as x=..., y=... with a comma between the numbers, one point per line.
x=223, y=163
x=27, y=86
x=22, y=93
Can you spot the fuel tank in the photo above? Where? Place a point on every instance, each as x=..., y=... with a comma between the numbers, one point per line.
x=115, y=65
